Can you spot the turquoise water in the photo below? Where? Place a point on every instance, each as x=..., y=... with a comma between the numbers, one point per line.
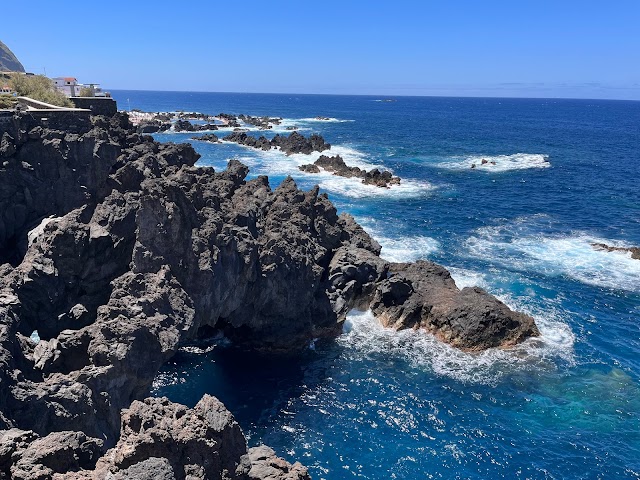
x=377, y=404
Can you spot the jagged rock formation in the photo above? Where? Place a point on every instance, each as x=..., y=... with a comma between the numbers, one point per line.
x=635, y=251
x=294, y=143
x=207, y=137
x=153, y=126
x=159, y=439
x=118, y=250
x=8, y=61
x=337, y=166
x=264, y=123
x=186, y=126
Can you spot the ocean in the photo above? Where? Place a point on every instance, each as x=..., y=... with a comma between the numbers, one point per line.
x=380, y=404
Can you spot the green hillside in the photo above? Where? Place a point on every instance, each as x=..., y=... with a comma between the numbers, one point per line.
x=8, y=61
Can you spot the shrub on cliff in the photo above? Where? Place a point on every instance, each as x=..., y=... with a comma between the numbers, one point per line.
x=40, y=88
x=7, y=101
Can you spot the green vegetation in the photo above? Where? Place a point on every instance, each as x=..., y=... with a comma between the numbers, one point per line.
x=38, y=87
x=7, y=101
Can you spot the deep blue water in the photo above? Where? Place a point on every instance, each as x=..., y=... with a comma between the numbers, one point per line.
x=377, y=404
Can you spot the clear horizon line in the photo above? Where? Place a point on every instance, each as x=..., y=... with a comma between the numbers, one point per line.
x=513, y=97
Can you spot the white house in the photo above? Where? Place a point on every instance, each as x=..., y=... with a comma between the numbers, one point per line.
x=71, y=88
x=68, y=85
x=6, y=90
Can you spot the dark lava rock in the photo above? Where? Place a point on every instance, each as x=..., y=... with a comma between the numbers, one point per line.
x=207, y=137
x=423, y=294
x=153, y=126
x=297, y=143
x=375, y=177
x=635, y=251
x=309, y=168
x=118, y=250
x=294, y=143
x=183, y=126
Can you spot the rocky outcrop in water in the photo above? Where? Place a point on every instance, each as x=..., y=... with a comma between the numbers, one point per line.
x=264, y=123
x=337, y=166
x=635, y=251
x=207, y=137
x=424, y=295
x=117, y=250
x=294, y=143
x=186, y=126
x=153, y=126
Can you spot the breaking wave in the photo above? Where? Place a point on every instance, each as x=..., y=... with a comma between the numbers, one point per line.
x=560, y=255
x=498, y=163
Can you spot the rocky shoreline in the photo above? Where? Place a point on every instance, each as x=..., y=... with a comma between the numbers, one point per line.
x=117, y=250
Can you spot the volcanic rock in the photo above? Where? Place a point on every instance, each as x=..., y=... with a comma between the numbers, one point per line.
x=337, y=166
x=117, y=250
x=424, y=295
x=635, y=251
x=207, y=137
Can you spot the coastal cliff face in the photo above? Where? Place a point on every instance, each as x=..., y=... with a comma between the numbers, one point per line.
x=117, y=250
x=8, y=61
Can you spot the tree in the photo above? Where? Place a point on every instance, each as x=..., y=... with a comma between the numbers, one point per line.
x=38, y=87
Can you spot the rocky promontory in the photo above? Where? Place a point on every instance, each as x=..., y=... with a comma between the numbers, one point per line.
x=116, y=250
x=337, y=166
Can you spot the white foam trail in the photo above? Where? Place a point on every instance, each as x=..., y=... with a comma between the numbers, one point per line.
x=276, y=163
x=572, y=256
x=404, y=249
x=365, y=334
x=324, y=120
x=407, y=249
x=467, y=278
x=503, y=163
x=354, y=188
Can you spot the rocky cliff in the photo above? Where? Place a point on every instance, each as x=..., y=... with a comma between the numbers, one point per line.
x=117, y=250
x=8, y=61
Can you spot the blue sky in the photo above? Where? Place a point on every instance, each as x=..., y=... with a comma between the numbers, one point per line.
x=561, y=48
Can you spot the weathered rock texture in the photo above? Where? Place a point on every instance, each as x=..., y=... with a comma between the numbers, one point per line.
x=337, y=166
x=294, y=143
x=118, y=250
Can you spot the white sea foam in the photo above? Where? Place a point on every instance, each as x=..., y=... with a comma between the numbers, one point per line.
x=407, y=249
x=402, y=249
x=274, y=162
x=365, y=334
x=503, y=163
x=467, y=278
x=354, y=188
x=570, y=255
x=324, y=120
